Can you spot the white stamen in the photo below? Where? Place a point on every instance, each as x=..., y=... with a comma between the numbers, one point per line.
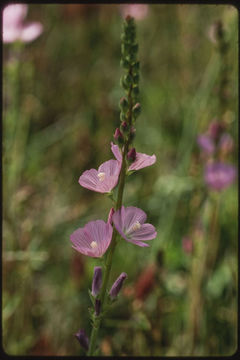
x=94, y=245
x=136, y=226
x=101, y=176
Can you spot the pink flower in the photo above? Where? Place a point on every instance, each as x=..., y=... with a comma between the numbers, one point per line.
x=130, y=223
x=102, y=180
x=206, y=143
x=13, y=27
x=142, y=160
x=219, y=176
x=187, y=245
x=92, y=240
x=138, y=11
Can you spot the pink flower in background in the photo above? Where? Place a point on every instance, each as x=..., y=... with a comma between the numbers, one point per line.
x=138, y=11
x=102, y=180
x=226, y=143
x=142, y=160
x=92, y=240
x=187, y=245
x=130, y=223
x=206, y=143
x=219, y=176
x=13, y=27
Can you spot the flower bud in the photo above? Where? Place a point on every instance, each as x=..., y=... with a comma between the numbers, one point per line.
x=123, y=83
x=135, y=90
x=83, y=339
x=136, y=79
x=215, y=129
x=111, y=212
x=135, y=66
x=123, y=104
x=131, y=155
x=97, y=307
x=124, y=126
x=97, y=280
x=132, y=134
x=124, y=63
x=117, y=286
x=118, y=136
x=136, y=110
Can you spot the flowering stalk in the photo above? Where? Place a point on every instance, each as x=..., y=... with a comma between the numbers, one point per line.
x=128, y=24
x=97, y=237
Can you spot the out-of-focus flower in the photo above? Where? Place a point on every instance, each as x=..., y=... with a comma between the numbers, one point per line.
x=130, y=223
x=206, y=144
x=102, y=180
x=215, y=129
x=142, y=160
x=92, y=240
x=226, y=143
x=117, y=286
x=13, y=27
x=97, y=280
x=83, y=339
x=138, y=11
x=187, y=245
x=145, y=282
x=219, y=176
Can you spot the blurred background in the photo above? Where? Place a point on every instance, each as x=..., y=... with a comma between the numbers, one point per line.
x=60, y=109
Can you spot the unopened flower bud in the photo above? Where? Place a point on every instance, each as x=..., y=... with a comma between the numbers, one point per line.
x=97, y=280
x=135, y=90
x=117, y=286
x=118, y=136
x=215, y=129
x=136, y=110
x=97, y=307
x=136, y=79
x=123, y=83
x=128, y=80
x=131, y=155
x=123, y=104
x=124, y=126
x=83, y=339
x=135, y=66
x=124, y=63
x=111, y=212
x=132, y=134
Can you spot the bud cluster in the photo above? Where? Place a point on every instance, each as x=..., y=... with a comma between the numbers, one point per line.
x=130, y=108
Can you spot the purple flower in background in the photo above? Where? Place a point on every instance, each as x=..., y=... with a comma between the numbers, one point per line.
x=13, y=27
x=206, y=143
x=83, y=339
x=142, y=160
x=138, y=11
x=130, y=223
x=226, y=143
x=219, y=176
x=117, y=286
x=102, y=180
x=92, y=240
x=97, y=280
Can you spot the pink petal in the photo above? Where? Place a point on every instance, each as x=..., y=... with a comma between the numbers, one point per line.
x=110, y=168
x=131, y=215
x=116, y=152
x=13, y=15
x=11, y=34
x=97, y=231
x=142, y=160
x=110, y=215
x=89, y=179
x=31, y=32
x=146, y=232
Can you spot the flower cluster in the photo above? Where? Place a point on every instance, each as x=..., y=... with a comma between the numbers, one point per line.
x=216, y=144
x=13, y=27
